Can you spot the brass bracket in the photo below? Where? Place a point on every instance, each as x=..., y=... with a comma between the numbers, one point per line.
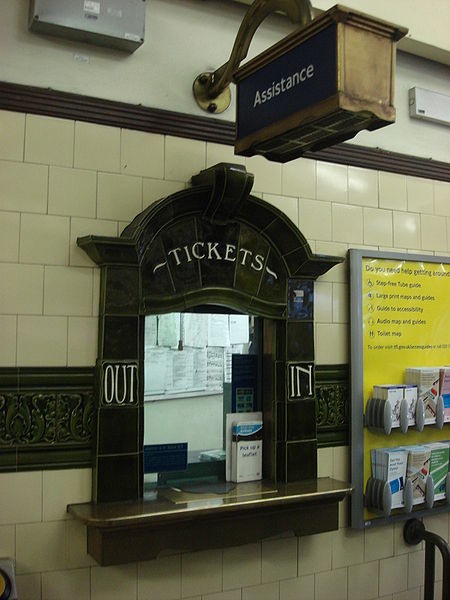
x=212, y=89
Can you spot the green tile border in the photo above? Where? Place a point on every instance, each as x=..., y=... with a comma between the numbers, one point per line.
x=332, y=405
x=47, y=418
x=69, y=394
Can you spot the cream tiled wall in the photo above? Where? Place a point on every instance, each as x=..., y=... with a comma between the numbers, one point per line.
x=61, y=179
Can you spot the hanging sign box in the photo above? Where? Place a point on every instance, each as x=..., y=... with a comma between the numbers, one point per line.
x=318, y=86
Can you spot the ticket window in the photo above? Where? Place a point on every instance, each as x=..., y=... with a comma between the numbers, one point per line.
x=199, y=366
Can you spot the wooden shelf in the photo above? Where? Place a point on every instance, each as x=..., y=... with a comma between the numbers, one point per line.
x=129, y=531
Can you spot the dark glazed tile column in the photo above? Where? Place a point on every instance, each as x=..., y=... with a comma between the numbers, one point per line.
x=118, y=468
x=297, y=445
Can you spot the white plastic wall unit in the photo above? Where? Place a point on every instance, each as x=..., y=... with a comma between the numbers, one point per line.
x=429, y=106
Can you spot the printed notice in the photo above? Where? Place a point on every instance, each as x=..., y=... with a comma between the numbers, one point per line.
x=215, y=368
x=169, y=330
x=406, y=317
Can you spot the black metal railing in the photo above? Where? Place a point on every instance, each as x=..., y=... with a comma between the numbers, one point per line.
x=414, y=532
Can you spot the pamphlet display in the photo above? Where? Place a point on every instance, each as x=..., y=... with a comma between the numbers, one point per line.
x=400, y=386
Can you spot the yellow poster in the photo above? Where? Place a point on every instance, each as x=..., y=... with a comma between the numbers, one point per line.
x=406, y=323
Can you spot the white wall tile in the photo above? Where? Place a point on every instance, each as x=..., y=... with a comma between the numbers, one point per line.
x=341, y=463
x=183, y=158
x=29, y=586
x=377, y=227
x=331, y=343
x=82, y=227
x=41, y=341
x=21, y=289
x=266, y=591
x=288, y=206
x=415, y=594
x=23, y=187
x=217, y=153
x=324, y=462
x=230, y=595
x=114, y=583
x=406, y=230
x=267, y=175
x=347, y=223
x=44, y=239
x=323, y=302
x=241, y=566
x=362, y=187
x=314, y=218
x=142, y=153
x=300, y=588
x=155, y=189
x=201, y=572
x=314, y=553
x=433, y=232
x=392, y=191
x=32, y=538
x=363, y=581
x=348, y=547
x=8, y=329
x=49, y=140
x=331, y=249
x=96, y=292
x=400, y=546
x=97, y=147
x=416, y=569
x=378, y=542
x=9, y=236
x=388, y=249
x=393, y=575
x=420, y=195
x=331, y=585
x=12, y=134
x=160, y=579
x=68, y=291
x=438, y=524
x=76, y=545
x=7, y=540
x=279, y=559
x=339, y=272
x=340, y=303
x=441, y=198
x=72, y=192
x=82, y=341
x=298, y=178
x=63, y=487
x=119, y=197
x=59, y=585
x=332, y=182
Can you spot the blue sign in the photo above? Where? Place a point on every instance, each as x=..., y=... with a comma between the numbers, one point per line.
x=244, y=369
x=299, y=78
x=159, y=458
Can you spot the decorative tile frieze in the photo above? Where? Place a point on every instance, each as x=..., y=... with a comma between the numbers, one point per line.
x=49, y=411
x=41, y=426
x=332, y=404
x=41, y=418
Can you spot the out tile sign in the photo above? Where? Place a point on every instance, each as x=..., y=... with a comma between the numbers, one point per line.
x=119, y=383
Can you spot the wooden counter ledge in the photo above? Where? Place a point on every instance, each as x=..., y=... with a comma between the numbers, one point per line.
x=129, y=531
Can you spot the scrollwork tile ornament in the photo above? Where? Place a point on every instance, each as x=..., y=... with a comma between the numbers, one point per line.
x=28, y=419
x=332, y=404
x=54, y=411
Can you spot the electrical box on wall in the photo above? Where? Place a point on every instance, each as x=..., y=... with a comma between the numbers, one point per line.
x=429, y=106
x=112, y=23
